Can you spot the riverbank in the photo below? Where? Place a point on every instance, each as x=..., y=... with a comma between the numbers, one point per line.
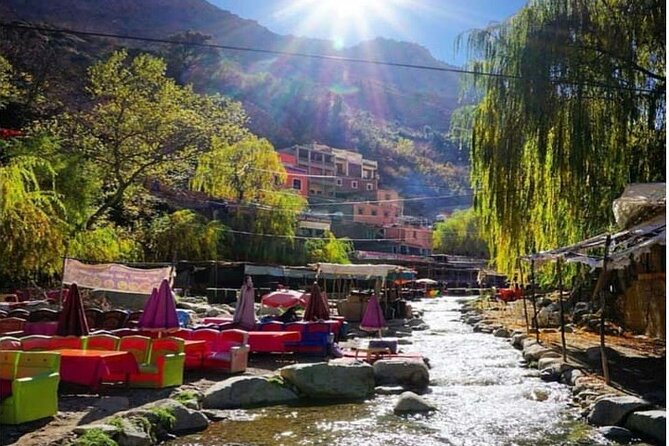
x=629, y=410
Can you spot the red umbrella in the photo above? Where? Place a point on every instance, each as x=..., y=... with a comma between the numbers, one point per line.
x=317, y=306
x=72, y=319
x=283, y=298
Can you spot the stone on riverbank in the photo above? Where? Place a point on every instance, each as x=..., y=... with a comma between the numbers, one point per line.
x=533, y=352
x=617, y=434
x=331, y=381
x=412, y=375
x=410, y=403
x=649, y=423
x=186, y=420
x=611, y=411
x=246, y=391
x=517, y=340
x=389, y=390
x=501, y=333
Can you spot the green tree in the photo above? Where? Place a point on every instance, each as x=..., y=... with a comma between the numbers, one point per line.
x=142, y=125
x=459, y=234
x=105, y=244
x=579, y=114
x=328, y=249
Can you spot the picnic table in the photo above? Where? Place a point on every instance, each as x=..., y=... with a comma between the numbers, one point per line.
x=91, y=367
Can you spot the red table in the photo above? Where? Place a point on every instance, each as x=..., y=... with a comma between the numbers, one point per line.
x=272, y=341
x=91, y=367
x=195, y=346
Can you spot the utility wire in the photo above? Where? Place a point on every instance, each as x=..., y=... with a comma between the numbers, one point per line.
x=317, y=56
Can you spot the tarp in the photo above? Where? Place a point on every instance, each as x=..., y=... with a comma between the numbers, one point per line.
x=362, y=271
x=638, y=201
x=260, y=270
x=114, y=277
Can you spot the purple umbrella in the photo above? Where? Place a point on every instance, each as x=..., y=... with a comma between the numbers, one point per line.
x=373, y=319
x=72, y=319
x=245, y=315
x=160, y=311
x=317, y=306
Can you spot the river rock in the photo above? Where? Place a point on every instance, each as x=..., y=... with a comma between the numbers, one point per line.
x=610, y=411
x=132, y=434
x=570, y=375
x=187, y=420
x=649, y=423
x=421, y=327
x=106, y=428
x=389, y=390
x=331, y=381
x=244, y=391
x=617, y=434
x=548, y=317
x=409, y=374
x=415, y=322
x=409, y=403
x=501, y=333
x=517, y=340
x=534, y=351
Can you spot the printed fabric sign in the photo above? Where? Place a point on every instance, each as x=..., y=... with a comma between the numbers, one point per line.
x=114, y=277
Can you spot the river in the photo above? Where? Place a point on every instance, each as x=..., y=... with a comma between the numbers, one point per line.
x=483, y=395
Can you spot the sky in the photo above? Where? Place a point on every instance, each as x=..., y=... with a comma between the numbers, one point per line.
x=434, y=24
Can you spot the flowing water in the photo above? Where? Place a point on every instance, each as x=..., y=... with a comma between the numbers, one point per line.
x=484, y=398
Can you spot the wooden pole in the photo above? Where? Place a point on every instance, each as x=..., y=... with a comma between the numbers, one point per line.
x=534, y=298
x=602, y=298
x=527, y=321
x=559, y=277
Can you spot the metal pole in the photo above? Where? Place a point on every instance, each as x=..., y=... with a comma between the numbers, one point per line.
x=559, y=277
x=602, y=297
x=534, y=299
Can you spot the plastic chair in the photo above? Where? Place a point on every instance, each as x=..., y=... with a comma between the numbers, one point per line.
x=36, y=343
x=114, y=319
x=139, y=346
x=43, y=315
x=102, y=342
x=10, y=343
x=94, y=317
x=12, y=325
x=165, y=367
x=69, y=342
x=20, y=313
x=133, y=319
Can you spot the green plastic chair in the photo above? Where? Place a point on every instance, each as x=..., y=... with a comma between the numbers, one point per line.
x=165, y=367
x=34, y=380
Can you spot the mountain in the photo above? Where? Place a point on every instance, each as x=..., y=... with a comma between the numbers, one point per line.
x=290, y=99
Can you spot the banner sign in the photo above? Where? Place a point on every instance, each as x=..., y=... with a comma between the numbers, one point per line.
x=114, y=277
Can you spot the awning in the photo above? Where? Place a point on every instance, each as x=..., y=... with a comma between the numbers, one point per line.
x=365, y=271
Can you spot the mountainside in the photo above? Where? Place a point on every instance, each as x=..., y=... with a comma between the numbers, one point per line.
x=294, y=99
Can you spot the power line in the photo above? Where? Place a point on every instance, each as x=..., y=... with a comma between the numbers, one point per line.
x=318, y=56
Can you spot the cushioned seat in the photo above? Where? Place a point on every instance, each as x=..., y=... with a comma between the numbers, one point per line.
x=165, y=366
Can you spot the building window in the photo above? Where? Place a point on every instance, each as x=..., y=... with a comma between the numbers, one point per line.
x=370, y=186
x=414, y=234
x=339, y=182
x=373, y=211
x=354, y=184
x=297, y=184
x=387, y=196
x=361, y=211
x=319, y=192
x=312, y=191
x=386, y=214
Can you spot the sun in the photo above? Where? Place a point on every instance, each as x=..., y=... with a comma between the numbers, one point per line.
x=343, y=21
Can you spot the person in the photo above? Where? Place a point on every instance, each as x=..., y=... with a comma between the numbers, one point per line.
x=290, y=315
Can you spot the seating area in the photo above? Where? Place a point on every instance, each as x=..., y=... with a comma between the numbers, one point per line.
x=25, y=378
x=315, y=337
x=225, y=350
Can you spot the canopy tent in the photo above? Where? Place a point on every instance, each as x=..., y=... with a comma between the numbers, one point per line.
x=625, y=246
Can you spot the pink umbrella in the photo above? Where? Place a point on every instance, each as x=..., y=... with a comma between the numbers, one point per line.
x=283, y=298
x=160, y=311
x=245, y=315
x=373, y=318
x=72, y=319
x=317, y=306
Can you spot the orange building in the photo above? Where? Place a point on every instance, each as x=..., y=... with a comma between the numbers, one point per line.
x=384, y=210
x=296, y=178
x=417, y=238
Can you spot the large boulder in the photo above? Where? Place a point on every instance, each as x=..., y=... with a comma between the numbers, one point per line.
x=649, y=423
x=186, y=420
x=617, y=434
x=133, y=433
x=611, y=411
x=410, y=403
x=412, y=375
x=549, y=316
x=247, y=391
x=534, y=351
x=331, y=381
x=501, y=333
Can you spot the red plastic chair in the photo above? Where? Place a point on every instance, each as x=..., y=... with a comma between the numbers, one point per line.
x=272, y=326
x=139, y=346
x=36, y=343
x=102, y=342
x=58, y=342
x=183, y=333
x=165, y=366
x=230, y=353
x=196, y=359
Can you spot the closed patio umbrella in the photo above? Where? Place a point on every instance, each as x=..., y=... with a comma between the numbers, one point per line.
x=160, y=311
x=373, y=319
x=317, y=306
x=245, y=315
x=72, y=319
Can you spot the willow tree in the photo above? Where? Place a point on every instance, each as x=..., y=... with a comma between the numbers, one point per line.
x=576, y=112
x=250, y=174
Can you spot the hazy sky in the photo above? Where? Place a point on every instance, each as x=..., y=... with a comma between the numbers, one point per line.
x=432, y=23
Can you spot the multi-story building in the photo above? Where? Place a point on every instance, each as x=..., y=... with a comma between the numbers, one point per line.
x=333, y=172
x=409, y=239
x=296, y=177
x=384, y=210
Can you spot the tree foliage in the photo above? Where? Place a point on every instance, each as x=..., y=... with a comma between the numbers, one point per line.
x=143, y=125
x=328, y=249
x=580, y=113
x=460, y=234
